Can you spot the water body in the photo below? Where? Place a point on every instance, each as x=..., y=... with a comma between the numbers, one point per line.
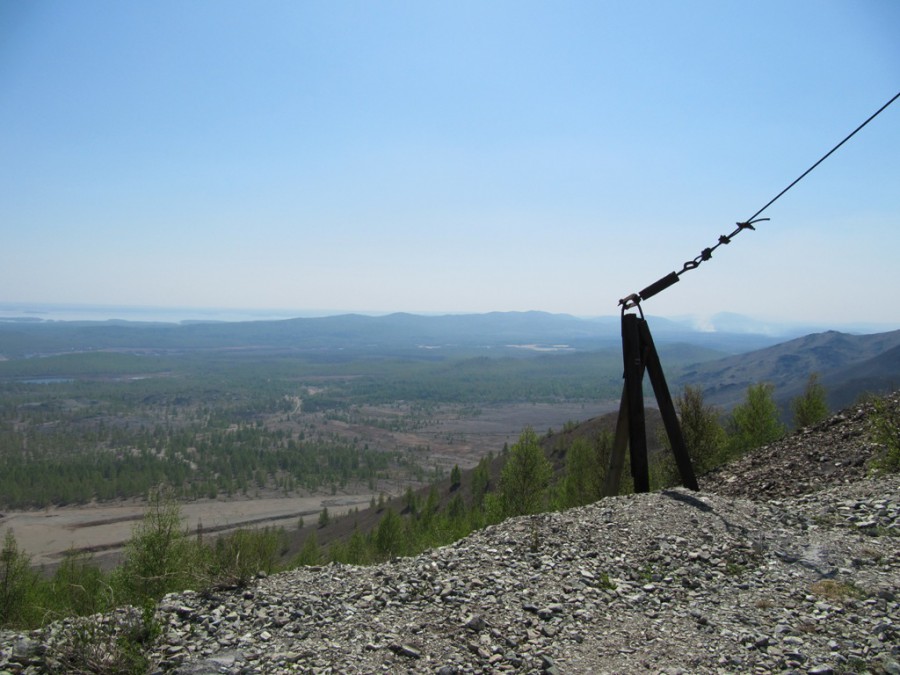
x=38, y=312
x=47, y=380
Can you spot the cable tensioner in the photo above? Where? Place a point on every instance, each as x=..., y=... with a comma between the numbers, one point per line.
x=634, y=299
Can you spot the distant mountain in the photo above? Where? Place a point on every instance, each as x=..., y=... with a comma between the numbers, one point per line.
x=354, y=333
x=739, y=324
x=847, y=365
x=881, y=373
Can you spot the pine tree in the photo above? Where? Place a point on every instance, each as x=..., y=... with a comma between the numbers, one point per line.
x=585, y=471
x=310, y=553
x=525, y=477
x=811, y=406
x=17, y=581
x=389, y=535
x=704, y=435
x=755, y=422
x=455, y=477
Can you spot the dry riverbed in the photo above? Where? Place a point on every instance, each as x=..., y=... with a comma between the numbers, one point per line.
x=47, y=534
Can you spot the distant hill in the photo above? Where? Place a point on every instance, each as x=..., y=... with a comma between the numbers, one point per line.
x=879, y=374
x=354, y=333
x=848, y=365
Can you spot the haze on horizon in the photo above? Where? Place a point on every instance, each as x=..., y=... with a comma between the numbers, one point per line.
x=445, y=158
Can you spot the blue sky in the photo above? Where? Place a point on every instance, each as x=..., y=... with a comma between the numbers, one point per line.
x=450, y=157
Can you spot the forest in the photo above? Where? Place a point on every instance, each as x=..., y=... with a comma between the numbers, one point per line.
x=109, y=425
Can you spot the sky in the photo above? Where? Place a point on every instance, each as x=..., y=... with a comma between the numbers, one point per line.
x=449, y=157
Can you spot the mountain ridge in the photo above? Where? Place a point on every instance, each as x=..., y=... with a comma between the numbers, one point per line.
x=846, y=364
x=19, y=339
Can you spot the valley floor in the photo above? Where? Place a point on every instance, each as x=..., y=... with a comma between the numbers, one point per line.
x=449, y=438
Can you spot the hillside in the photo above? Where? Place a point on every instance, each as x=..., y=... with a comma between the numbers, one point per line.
x=848, y=365
x=785, y=562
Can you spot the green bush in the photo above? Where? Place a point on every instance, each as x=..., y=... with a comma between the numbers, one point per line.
x=324, y=518
x=810, y=407
x=704, y=435
x=389, y=535
x=310, y=554
x=78, y=587
x=238, y=557
x=755, y=422
x=525, y=477
x=885, y=421
x=160, y=557
x=585, y=471
x=455, y=477
x=19, y=586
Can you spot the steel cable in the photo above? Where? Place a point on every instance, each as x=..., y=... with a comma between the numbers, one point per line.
x=634, y=299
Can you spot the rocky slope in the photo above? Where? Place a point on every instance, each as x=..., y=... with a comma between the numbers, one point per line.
x=836, y=451
x=804, y=578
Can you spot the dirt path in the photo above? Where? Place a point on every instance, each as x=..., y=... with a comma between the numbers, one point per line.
x=47, y=534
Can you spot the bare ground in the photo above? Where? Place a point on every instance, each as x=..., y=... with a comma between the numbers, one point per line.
x=103, y=528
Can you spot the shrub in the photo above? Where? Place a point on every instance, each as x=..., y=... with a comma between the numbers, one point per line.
x=455, y=477
x=160, y=557
x=704, y=436
x=885, y=421
x=310, y=554
x=755, y=422
x=389, y=535
x=78, y=586
x=585, y=470
x=525, y=477
x=239, y=556
x=18, y=585
x=810, y=407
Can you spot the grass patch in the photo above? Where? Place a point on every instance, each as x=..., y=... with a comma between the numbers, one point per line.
x=836, y=590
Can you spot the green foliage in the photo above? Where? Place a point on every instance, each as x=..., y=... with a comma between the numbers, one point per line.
x=430, y=508
x=109, y=440
x=358, y=549
x=885, y=421
x=481, y=481
x=160, y=557
x=78, y=587
x=455, y=477
x=811, y=406
x=410, y=502
x=324, y=518
x=239, y=556
x=389, y=534
x=109, y=425
x=18, y=585
x=525, y=477
x=586, y=465
x=704, y=435
x=755, y=422
x=310, y=554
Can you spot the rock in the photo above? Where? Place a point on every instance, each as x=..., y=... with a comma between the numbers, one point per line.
x=406, y=650
x=820, y=670
x=475, y=623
